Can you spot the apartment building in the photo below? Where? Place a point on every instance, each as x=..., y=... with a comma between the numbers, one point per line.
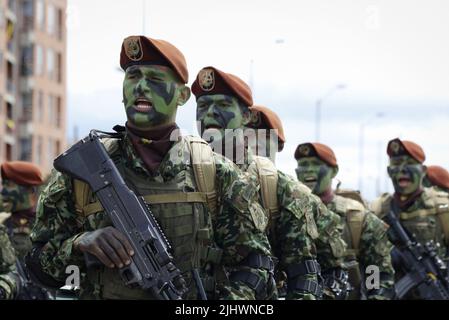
x=33, y=95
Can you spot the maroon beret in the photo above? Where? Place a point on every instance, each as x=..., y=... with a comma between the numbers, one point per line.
x=23, y=173
x=438, y=176
x=140, y=50
x=318, y=150
x=270, y=120
x=210, y=81
x=398, y=147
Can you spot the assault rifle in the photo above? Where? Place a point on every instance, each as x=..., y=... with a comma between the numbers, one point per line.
x=152, y=266
x=424, y=269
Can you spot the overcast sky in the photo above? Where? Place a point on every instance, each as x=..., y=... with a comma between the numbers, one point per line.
x=392, y=56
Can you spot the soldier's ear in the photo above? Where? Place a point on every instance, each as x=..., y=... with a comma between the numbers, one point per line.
x=184, y=95
x=247, y=116
x=334, y=171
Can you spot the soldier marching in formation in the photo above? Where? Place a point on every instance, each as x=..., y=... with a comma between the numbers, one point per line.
x=227, y=223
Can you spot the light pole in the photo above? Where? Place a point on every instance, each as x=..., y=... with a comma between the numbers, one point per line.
x=318, y=105
x=362, y=145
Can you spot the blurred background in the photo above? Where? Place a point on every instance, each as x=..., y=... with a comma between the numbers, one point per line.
x=352, y=74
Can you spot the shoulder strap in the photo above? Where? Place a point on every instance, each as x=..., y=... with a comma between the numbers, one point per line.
x=267, y=174
x=440, y=200
x=381, y=205
x=204, y=169
x=355, y=214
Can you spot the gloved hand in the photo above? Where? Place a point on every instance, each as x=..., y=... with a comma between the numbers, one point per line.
x=108, y=244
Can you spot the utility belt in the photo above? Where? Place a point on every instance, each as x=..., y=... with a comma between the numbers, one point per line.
x=254, y=281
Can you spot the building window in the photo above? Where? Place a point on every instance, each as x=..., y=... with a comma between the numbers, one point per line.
x=39, y=60
x=51, y=110
x=8, y=148
x=60, y=23
x=10, y=78
x=39, y=150
x=26, y=145
x=50, y=64
x=40, y=14
x=27, y=104
x=40, y=107
x=59, y=68
x=28, y=15
x=51, y=20
x=26, y=68
x=58, y=112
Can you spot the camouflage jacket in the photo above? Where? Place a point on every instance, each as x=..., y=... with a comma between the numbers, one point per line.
x=426, y=218
x=368, y=244
x=8, y=276
x=235, y=230
x=304, y=229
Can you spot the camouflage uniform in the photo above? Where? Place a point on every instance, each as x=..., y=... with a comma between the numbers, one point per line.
x=9, y=281
x=301, y=232
x=217, y=243
x=368, y=244
x=427, y=217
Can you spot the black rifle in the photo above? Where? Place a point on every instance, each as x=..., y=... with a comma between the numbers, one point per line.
x=424, y=269
x=152, y=266
x=28, y=289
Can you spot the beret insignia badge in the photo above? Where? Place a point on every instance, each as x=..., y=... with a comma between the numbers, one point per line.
x=395, y=147
x=133, y=48
x=206, y=79
x=304, y=150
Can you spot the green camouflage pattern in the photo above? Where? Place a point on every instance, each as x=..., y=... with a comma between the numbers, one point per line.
x=424, y=227
x=374, y=247
x=294, y=235
x=8, y=276
x=235, y=231
x=155, y=88
x=406, y=167
x=15, y=197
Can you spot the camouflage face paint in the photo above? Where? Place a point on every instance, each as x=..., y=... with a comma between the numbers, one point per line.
x=15, y=197
x=150, y=95
x=315, y=174
x=220, y=112
x=406, y=174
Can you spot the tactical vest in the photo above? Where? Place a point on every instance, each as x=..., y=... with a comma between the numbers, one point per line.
x=353, y=215
x=428, y=223
x=185, y=207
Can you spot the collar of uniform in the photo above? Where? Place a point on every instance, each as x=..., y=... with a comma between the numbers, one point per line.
x=163, y=172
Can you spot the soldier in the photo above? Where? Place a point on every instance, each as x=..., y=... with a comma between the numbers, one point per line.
x=365, y=234
x=423, y=212
x=216, y=230
x=437, y=177
x=20, y=181
x=9, y=279
x=222, y=112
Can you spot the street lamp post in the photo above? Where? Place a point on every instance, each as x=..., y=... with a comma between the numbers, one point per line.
x=318, y=105
x=362, y=145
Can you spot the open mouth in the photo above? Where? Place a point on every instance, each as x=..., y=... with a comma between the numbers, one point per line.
x=143, y=105
x=310, y=180
x=212, y=126
x=404, y=182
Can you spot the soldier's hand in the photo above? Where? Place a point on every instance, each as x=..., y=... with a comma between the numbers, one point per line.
x=107, y=244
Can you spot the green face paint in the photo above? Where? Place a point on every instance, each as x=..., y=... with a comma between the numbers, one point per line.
x=315, y=174
x=150, y=95
x=406, y=174
x=15, y=197
x=220, y=112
